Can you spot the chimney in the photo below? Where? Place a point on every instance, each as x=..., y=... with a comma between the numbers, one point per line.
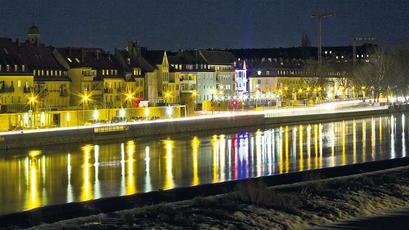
x=83, y=53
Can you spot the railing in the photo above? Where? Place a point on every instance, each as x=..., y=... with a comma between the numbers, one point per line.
x=108, y=90
x=6, y=89
x=64, y=93
x=27, y=90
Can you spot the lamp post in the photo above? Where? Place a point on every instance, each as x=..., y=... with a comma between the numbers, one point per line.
x=32, y=100
x=320, y=16
x=167, y=96
x=129, y=97
x=85, y=99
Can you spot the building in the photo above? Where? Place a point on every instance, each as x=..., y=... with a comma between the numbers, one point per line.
x=156, y=84
x=197, y=79
x=136, y=69
x=16, y=80
x=292, y=73
x=35, y=70
x=222, y=62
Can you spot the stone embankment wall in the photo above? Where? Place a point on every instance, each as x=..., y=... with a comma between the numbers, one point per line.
x=89, y=135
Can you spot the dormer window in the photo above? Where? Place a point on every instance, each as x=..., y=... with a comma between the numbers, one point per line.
x=23, y=68
x=69, y=59
x=8, y=67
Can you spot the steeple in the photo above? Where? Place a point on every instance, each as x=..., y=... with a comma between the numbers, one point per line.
x=305, y=41
x=33, y=35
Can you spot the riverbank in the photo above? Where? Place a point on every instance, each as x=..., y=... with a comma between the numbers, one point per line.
x=91, y=134
x=255, y=205
x=55, y=213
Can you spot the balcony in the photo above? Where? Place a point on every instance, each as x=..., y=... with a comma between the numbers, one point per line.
x=108, y=90
x=64, y=93
x=6, y=89
x=27, y=90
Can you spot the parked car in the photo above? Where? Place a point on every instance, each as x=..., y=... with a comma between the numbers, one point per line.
x=118, y=119
x=93, y=122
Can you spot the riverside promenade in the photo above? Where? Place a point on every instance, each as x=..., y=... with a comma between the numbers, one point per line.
x=202, y=122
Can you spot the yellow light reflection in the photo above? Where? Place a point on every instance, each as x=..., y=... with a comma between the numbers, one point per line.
x=373, y=138
x=169, y=181
x=34, y=200
x=363, y=140
x=344, y=133
x=195, y=160
x=380, y=131
x=354, y=141
x=86, y=188
x=320, y=144
x=309, y=146
x=130, y=187
x=287, y=160
x=316, y=147
x=301, y=141
x=215, y=158
x=332, y=144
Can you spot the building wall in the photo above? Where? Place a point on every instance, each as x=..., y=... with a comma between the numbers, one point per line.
x=206, y=86
x=69, y=118
x=172, y=94
x=151, y=87
x=15, y=91
x=53, y=94
x=82, y=81
x=114, y=90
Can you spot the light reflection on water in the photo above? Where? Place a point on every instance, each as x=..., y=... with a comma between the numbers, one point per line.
x=50, y=176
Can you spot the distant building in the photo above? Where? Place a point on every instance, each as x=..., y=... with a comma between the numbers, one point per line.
x=196, y=77
x=223, y=64
x=273, y=70
x=39, y=73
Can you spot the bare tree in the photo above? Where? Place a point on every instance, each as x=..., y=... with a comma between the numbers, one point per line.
x=374, y=74
x=398, y=79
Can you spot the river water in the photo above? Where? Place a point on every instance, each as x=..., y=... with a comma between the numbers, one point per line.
x=59, y=174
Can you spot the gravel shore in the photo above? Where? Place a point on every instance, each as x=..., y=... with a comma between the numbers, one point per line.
x=256, y=206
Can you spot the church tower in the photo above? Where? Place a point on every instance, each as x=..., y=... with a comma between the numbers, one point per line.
x=34, y=35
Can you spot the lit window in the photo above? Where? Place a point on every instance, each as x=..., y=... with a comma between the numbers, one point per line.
x=326, y=52
x=69, y=59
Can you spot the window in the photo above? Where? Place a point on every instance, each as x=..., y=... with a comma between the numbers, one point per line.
x=19, y=83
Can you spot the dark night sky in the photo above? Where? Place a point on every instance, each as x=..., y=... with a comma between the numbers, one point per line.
x=176, y=24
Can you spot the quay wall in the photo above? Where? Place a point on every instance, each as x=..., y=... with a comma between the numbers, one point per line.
x=89, y=135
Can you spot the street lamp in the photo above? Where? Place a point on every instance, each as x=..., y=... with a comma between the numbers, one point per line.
x=167, y=96
x=85, y=99
x=129, y=97
x=32, y=100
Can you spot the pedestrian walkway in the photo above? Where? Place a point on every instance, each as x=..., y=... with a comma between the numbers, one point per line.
x=393, y=220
